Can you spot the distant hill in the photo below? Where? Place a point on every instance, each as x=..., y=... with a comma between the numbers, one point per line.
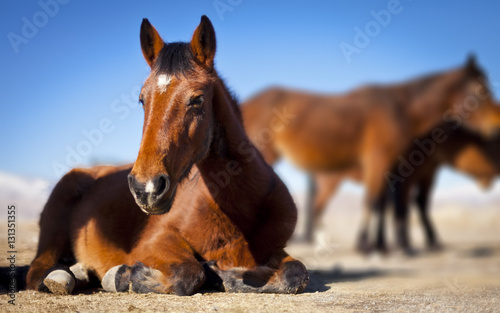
x=30, y=195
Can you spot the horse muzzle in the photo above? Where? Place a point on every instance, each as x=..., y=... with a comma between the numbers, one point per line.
x=154, y=196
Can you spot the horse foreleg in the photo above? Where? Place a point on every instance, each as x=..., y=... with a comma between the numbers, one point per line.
x=363, y=242
x=327, y=185
x=380, y=208
x=289, y=278
x=401, y=210
x=375, y=166
x=182, y=279
x=169, y=267
x=422, y=200
x=309, y=210
x=321, y=188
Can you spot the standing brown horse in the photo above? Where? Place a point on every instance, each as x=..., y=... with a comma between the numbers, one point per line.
x=465, y=151
x=367, y=129
x=213, y=212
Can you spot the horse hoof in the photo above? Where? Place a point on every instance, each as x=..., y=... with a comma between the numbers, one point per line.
x=410, y=252
x=296, y=277
x=404, y=252
x=117, y=278
x=364, y=248
x=59, y=282
x=80, y=271
x=436, y=247
x=382, y=249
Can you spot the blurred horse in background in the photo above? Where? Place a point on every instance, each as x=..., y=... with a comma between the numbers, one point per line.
x=366, y=130
x=199, y=207
x=465, y=151
x=460, y=148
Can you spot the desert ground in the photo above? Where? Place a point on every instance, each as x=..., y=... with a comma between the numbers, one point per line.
x=463, y=277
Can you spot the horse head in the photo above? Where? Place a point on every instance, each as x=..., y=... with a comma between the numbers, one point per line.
x=178, y=117
x=473, y=103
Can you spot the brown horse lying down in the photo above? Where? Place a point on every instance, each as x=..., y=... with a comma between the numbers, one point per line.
x=367, y=128
x=410, y=181
x=214, y=214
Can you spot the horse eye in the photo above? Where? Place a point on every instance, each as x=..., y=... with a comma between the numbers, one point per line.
x=141, y=101
x=196, y=101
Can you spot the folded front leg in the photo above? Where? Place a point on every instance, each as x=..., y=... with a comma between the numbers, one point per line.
x=159, y=269
x=182, y=279
x=291, y=277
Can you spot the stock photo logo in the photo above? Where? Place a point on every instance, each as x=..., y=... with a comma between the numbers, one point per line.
x=223, y=6
x=363, y=36
x=94, y=137
x=31, y=26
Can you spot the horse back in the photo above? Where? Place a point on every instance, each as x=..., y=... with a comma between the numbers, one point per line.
x=323, y=132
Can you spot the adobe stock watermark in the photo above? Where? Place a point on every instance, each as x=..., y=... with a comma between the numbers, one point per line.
x=323, y=252
x=31, y=26
x=363, y=36
x=425, y=147
x=223, y=6
x=11, y=252
x=277, y=123
x=75, y=155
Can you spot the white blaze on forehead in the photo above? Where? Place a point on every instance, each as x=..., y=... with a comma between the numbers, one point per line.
x=150, y=187
x=163, y=82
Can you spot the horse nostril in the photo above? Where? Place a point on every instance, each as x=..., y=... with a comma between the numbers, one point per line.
x=162, y=183
x=133, y=185
x=131, y=182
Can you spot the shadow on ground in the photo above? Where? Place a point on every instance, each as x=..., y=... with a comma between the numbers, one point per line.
x=14, y=278
x=322, y=279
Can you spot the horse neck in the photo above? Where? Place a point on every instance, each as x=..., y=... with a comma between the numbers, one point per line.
x=492, y=150
x=436, y=99
x=228, y=124
x=231, y=155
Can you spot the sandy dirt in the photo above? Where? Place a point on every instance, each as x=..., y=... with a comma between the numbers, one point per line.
x=464, y=277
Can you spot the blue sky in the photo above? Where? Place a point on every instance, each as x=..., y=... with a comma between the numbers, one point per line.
x=79, y=70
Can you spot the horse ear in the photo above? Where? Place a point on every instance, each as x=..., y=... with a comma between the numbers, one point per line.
x=471, y=63
x=151, y=42
x=203, y=42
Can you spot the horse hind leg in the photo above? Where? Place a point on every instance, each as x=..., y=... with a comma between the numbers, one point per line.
x=290, y=278
x=54, y=253
x=63, y=280
x=54, y=246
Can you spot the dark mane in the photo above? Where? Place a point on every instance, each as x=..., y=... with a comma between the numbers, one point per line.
x=233, y=99
x=175, y=59
x=476, y=72
x=419, y=84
